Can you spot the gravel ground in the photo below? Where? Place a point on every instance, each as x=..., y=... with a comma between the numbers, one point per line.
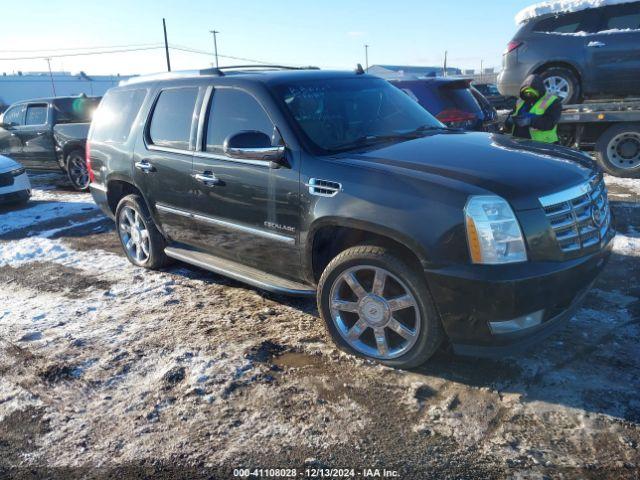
x=111, y=371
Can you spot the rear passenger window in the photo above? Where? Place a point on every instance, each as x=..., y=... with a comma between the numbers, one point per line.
x=36, y=115
x=232, y=111
x=172, y=117
x=113, y=120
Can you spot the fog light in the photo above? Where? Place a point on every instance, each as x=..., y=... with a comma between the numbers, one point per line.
x=520, y=323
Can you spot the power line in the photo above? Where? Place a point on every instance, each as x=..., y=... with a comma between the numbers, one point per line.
x=66, y=49
x=181, y=48
x=79, y=54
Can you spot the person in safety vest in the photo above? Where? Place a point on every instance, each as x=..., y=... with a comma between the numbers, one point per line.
x=536, y=113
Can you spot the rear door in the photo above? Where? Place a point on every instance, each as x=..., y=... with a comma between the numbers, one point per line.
x=163, y=165
x=251, y=213
x=614, y=52
x=10, y=143
x=36, y=136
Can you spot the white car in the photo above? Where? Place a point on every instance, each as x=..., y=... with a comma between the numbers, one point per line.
x=14, y=183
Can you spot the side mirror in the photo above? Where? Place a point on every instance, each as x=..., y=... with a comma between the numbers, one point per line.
x=6, y=126
x=254, y=145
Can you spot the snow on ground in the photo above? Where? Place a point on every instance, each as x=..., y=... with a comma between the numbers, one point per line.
x=46, y=206
x=631, y=185
x=561, y=6
x=106, y=367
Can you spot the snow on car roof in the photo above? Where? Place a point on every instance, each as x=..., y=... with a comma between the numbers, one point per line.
x=562, y=6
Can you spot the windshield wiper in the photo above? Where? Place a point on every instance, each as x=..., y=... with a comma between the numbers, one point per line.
x=367, y=140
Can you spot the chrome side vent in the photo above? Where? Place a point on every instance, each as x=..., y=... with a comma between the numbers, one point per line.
x=323, y=188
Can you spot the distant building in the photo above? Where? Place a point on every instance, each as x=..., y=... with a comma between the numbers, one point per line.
x=23, y=86
x=395, y=71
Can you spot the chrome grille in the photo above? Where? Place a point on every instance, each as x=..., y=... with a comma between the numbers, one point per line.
x=579, y=216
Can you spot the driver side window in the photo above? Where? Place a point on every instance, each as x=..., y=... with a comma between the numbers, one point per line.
x=232, y=111
x=14, y=115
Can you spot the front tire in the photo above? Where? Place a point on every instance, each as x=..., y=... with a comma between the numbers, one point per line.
x=77, y=172
x=618, y=150
x=376, y=306
x=142, y=242
x=563, y=83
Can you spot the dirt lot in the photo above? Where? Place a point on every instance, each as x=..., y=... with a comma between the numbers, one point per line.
x=110, y=371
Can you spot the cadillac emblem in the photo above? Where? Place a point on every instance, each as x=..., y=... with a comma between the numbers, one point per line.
x=598, y=214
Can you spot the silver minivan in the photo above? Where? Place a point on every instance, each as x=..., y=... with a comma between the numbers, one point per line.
x=584, y=53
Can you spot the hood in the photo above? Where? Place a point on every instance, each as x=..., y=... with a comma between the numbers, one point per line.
x=6, y=164
x=520, y=171
x=534, y=81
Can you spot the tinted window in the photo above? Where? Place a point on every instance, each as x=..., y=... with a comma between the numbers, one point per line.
x=232, y=111
x=14, y=115
x=622, y=17
x=437, y=97
x=344, y=113
x=172, y=117
x=582, y=21
x=75, y=110
x=36, y=115
x=115, y=115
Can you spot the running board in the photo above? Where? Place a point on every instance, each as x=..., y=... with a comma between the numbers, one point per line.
x=242, y=273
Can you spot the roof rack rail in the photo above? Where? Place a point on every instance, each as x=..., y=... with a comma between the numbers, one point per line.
x=214, y=71
x=260, y=66
x=171, y=75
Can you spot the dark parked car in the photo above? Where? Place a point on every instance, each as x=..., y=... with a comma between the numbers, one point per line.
x=494, y=97
x=450, y=100
x=49, y=134
x=580, y=54
x=337, y=184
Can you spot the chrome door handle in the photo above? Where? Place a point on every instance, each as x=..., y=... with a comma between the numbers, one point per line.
x=208, y=179
x=145, y=166
x=596, y=44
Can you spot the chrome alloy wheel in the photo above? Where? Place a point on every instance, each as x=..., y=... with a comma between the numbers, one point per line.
x=624, y=150
x=558, y=86
x=375, y=312
x=134, y=235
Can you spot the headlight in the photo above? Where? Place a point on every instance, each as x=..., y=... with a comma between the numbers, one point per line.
x=493, y=232
x=17, y=172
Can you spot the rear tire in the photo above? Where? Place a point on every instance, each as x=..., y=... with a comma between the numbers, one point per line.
x=77, y=172
x=618, y=150
x=563, y=83
x=392, y=321
x=142, y=242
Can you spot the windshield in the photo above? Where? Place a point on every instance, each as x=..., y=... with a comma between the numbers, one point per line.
x=340, y=114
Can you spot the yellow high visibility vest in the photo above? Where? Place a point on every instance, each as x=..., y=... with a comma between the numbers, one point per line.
x=547, y=136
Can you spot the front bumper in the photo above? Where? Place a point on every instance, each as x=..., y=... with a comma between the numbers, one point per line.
x=19, y=191
x=470, y=297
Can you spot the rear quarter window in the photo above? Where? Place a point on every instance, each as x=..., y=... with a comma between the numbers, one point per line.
x=114, y=117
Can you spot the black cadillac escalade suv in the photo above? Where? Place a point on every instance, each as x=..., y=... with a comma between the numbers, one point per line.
x=308, y=181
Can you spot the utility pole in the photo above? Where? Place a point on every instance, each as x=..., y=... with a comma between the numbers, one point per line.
x=366, y=57
x=215, y=44
x=481, y=72
x=444, y=70
x=166, y=44
x=53, y=85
